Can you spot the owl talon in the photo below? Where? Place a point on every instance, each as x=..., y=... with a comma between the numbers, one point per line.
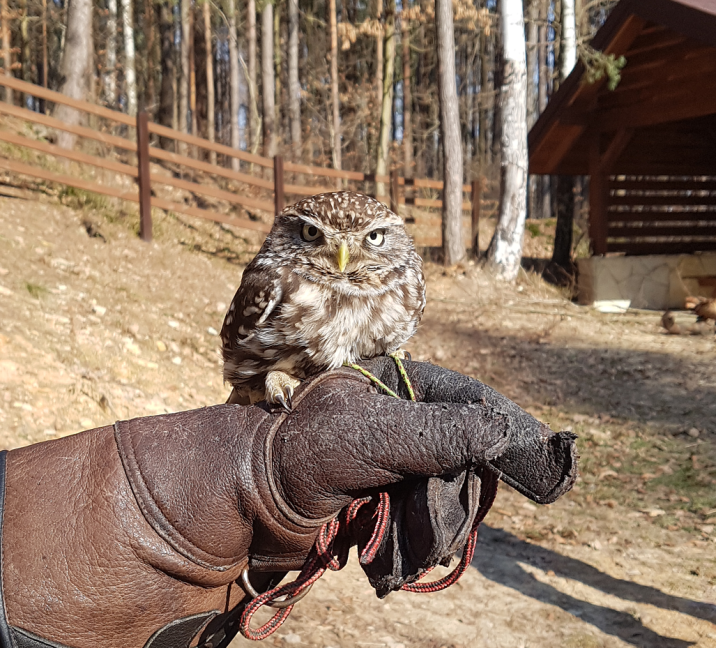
x=286, y=404
x=279, y=389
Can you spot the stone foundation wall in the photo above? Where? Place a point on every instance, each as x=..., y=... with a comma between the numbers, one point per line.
x=658, y=282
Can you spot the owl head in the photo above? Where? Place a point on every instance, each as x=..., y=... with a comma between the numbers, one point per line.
x=343, y=239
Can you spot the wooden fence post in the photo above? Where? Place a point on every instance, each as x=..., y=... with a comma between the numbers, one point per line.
x=476, y=194
x=145, y=187
x=394, y=191
x=278, y=199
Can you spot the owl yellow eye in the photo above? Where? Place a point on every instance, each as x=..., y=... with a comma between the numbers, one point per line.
x=376, y=237
x=310, y=232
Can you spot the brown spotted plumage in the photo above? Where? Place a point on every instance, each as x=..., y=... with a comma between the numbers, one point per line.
x=336, y=280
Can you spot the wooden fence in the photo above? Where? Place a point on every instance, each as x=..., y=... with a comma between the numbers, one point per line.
x=138, y=146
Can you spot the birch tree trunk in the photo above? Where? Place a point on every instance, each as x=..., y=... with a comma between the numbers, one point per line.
x=254, y=121
x=568, y=46
x=267, y=81
x=184, y=80
x=407, y=98
x=75, y=65
x=110, y=74
x=210, y=128
x=336, y=118
x=386, y=112
x=562, y=254
x=505, y=251
x=6, y=56
x=294, y=88
x=234, y=80
x=453, y=244
x=130, y=75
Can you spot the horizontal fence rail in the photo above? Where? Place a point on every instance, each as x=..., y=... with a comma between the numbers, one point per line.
x=137, y=146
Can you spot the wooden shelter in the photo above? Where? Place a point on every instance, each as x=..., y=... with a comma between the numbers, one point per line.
x=649, y=146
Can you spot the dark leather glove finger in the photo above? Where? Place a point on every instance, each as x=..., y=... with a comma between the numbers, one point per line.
x=538, y=463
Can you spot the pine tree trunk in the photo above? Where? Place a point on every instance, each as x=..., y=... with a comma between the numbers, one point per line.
x=278, y=91
x=91, y=74
x=294, y=88
x=267, y=81
x=185, y=71
x=407, y=99
x=254, y=120
x=335, y=119
x=505, y=251
x=210, y=128
x=386, y=112
x=532, y=62
x=562, y=254
x=110, y=73
x=168, y=59
x=234, y=81
x=45, y=61
x=130, y=75
x=192, y=78
x=75, y=65
x=453, y=244
x=25, y=51
x=534, y=182
x=485, y=102
x=498, y=73
x=151, y=60
x=6, y=56
x=379, y=53
x=544, y=74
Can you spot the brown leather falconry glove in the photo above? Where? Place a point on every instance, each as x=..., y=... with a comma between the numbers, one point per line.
x=135, y=535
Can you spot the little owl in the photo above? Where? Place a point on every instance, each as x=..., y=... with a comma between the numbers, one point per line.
x=336, y=280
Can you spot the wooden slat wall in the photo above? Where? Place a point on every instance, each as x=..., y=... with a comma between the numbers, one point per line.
x=661, y=215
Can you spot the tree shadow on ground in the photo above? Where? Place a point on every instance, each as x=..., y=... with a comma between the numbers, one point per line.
x=642, y=386
x=500, y=560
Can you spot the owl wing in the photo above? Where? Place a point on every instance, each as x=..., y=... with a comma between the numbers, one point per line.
x=257, y=297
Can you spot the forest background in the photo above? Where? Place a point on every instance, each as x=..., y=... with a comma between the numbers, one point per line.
x=361, y=85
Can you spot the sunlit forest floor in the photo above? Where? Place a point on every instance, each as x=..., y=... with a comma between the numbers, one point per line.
x=96, y=325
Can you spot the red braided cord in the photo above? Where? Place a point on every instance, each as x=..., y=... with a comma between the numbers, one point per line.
x=311, y=572
x=383, y=511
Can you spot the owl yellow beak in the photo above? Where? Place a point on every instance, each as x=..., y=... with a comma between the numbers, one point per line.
x=343, y=256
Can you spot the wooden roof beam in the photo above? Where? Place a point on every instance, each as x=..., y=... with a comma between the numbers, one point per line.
x=657, y=110
x=687, y=86
x=644, y=44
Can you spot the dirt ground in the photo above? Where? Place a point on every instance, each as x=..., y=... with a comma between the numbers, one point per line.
x=96, y=325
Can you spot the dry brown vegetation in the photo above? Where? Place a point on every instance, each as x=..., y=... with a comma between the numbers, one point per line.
x=96, y=325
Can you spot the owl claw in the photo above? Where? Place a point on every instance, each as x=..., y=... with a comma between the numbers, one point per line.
x=279, y=389
x=285, y=403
